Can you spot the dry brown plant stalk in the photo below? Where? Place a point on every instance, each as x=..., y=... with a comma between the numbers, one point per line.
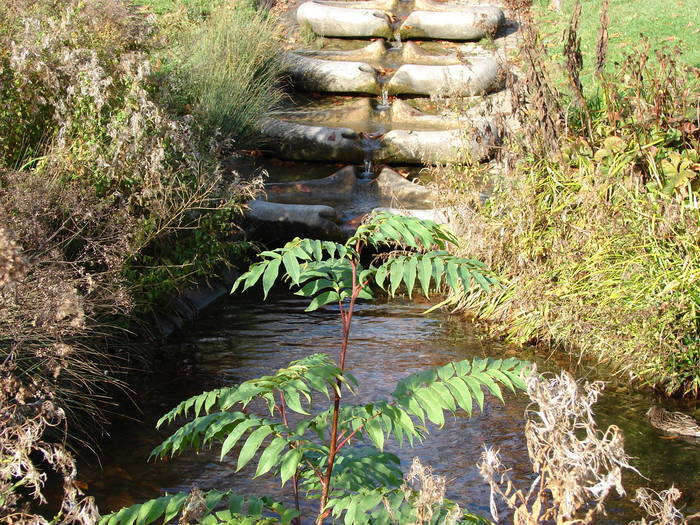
x=576, y=465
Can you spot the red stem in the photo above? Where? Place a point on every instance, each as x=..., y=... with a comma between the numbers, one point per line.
x=295, y=477
x=346, y=318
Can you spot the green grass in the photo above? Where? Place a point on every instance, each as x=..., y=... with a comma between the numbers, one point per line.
x=194, y=8
x=665, y=23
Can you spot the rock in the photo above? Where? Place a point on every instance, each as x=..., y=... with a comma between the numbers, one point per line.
x=412, y=53
x=339, y=186
x=345, y=19
x=450, y=146
x=302, y=142
x=403, y=113
x=481, y=75
x=372, y=52
x=316, y=74
x=469, y=23
x=357, y=110
x=286, y=221
x=395, y=190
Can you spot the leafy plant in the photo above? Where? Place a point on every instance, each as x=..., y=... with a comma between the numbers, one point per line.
x=337, y=455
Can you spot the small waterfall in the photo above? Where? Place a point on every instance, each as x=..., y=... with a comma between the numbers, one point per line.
x=370, y=144
x=384, y=98
x=396, y=43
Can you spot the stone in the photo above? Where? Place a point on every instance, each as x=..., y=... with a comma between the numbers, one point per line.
x=402, y=113
x=345, y=19
x=412, y=53
x=339, y=186
x=290, y=140
x=469, y=23
x=481, y=75
x=332, y=76
x=286, y=221
x=356, y=110
x=395, y=190
x=371, y=52
x=432, y=147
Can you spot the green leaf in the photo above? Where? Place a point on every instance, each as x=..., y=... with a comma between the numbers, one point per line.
x=460, y=391
x=410, y=274
x=270, y=276
x=235, y=435
x=291, y=265
x=396, y=275
x=252, y=445
x=425, y=273
x=289, y=464
x=329, y=296
x=381, y=274
x=375, y=433
x=270, y=456
x=431, y=404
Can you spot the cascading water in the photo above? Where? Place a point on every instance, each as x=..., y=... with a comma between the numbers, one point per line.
x=383, y=98
x=370, y=143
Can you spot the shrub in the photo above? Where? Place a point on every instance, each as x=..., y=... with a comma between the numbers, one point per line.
x=358, y=484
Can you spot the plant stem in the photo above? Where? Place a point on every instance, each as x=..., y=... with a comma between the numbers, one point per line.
x=295, y=477
x=346, y=318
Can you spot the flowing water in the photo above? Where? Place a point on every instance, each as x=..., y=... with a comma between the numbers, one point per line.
x=242, y=337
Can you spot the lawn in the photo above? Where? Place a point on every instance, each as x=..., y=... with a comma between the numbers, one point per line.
x=665, y=23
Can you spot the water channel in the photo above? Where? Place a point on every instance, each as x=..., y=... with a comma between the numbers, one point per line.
x=242, y=337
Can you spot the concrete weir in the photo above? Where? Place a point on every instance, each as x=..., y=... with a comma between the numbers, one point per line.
x=481, y=75
x=353, y=114
x=345, y=19
x=331, y=76
x=469, y=23
x=295, y=141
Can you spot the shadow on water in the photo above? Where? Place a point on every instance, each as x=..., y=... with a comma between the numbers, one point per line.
x=242, y=338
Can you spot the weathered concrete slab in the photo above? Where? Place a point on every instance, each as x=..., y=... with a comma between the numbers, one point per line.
x=481, y=75
x=290, y=140
x=345, y=19
x=331, y=76
x=371, y=52
x=355, y=110
x=431, y=147
x=395, y=190
x=402, y=113
x=469, y=23
x=412, y=53
x=282, y=221
x=337, y=187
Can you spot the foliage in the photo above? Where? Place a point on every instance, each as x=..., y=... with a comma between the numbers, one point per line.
x=337, y=455
x=224, y=70
x=627, y=21
x=596, y=231
x=110, y=203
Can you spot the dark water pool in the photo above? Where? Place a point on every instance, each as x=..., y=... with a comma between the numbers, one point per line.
x=240, y=339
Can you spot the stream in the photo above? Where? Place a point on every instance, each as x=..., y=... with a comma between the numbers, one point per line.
x=241, y=337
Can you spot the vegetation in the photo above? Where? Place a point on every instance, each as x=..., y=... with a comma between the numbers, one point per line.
x=358, y=484
x=596, y=229
x=662, y=24
x=111, y=200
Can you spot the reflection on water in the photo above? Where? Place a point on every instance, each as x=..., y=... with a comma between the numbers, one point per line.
x=240, y=339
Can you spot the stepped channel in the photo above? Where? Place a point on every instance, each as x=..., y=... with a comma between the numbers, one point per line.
x=366, y=98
